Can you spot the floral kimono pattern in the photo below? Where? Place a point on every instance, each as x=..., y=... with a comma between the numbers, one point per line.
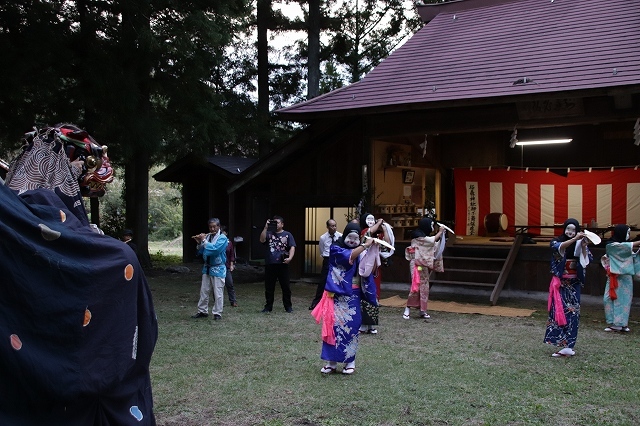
x=340, y=306
x=421, y=257
x=618, y=262
x=565, y=336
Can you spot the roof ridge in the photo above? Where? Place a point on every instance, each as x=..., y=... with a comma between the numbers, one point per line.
x=319, y=98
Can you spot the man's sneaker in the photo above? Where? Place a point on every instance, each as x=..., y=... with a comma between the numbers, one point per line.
x=217, y=317
x=265, y=311
x=200, y=315
x=288, y=310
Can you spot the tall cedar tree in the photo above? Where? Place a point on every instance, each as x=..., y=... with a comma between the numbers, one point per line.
x=364, y=32
x=144, y=77
x=357, y=35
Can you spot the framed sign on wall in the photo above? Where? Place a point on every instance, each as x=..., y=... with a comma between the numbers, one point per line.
x=407, y=176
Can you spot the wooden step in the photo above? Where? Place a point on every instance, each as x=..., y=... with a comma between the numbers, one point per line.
x=472, y=271
x=482, y=259
x=478, y=266
x=478, y=247
x=461, y=283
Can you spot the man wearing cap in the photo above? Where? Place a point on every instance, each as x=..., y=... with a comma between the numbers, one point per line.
x=127, y=237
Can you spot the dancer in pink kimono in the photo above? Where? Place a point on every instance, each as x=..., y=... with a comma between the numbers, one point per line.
x=424, y=255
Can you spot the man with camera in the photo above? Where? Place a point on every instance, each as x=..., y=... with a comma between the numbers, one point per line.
x=280, y=250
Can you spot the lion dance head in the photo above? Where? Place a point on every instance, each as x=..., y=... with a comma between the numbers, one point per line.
x=83, y=151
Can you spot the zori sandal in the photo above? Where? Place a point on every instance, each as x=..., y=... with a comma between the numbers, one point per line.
x=566, y=352
x=327, y=369
x=348, y=370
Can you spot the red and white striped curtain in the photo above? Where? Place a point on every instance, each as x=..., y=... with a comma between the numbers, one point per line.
x=539, y=197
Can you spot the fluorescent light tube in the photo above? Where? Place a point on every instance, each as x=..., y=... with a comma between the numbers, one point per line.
x=543, y=142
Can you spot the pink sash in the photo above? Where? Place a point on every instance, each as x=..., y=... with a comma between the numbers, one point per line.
x=415, y=279
x=324, y=312
x=554, y=294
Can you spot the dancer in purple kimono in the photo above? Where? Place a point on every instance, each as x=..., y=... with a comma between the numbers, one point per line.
x=618, y=262
x=339, y=309
x=570, y=256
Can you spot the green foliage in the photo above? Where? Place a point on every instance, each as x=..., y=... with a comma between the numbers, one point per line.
x=363, y=33
x=355, y=37
x=162, y=260
x=330, y=79
x=167, y=78
x=140, y=76
x=152, y=80
x=165, y=209
x=158, y=80
x=112, y=210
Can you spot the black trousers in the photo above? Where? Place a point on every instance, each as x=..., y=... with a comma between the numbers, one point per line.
x=272, y=273
x=323, y=279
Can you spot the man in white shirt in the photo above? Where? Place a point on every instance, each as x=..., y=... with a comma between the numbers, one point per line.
x=325, y=242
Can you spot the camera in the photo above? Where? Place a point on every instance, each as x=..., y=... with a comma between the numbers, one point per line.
x=272, y=226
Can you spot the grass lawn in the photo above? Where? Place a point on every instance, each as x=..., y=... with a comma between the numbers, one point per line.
x=167, y=248
x=454, y=369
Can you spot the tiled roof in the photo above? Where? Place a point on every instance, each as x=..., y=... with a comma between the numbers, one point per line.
x=234, y=165
x=221, y=164
x=518, y=48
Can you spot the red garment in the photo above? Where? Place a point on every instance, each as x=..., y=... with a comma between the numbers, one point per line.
x=613, y=284
x=554, y=296
x=231, y=254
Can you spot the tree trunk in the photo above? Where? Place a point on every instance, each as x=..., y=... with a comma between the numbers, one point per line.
x=86, y=46
x=137, y=36
x=137, y=204
x=263, y=16
x=94, y=204
x=313, y=60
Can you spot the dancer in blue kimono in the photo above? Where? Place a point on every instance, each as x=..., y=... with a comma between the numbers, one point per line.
x=339, y=309
x=570, y=256
x=618, y=262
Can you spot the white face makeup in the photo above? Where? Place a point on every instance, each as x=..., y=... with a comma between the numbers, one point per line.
x=570, y=230
x=628, y=234
x=370, y=220
x=352, y=240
